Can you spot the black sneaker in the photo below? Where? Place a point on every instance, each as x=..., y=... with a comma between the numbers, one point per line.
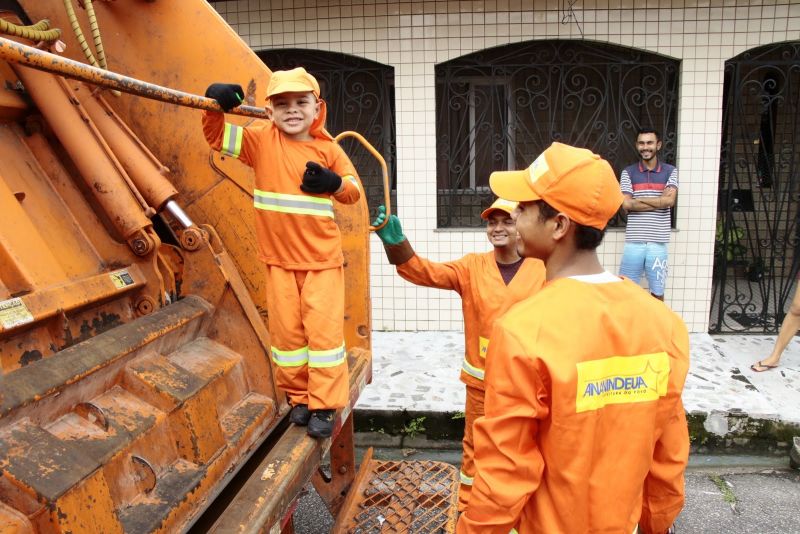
x=300, y=415
x=321, y=423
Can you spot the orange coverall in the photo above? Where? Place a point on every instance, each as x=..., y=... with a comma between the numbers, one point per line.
x=484, y=297
x=300, y=243
x=584, y=428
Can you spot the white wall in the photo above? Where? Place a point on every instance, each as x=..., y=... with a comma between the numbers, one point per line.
x=414, y=36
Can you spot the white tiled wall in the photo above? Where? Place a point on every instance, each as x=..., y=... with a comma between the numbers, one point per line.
x=414, y=36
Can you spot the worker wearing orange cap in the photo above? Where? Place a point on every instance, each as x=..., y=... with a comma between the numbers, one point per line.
x=584, y=428
x=299, y=170
x=489, y=283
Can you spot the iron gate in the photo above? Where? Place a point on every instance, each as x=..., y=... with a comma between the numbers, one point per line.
x=755, y=254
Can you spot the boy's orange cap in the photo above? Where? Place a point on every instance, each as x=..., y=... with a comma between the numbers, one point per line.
x=572, y=180
x=499, y=204
x=296, y=80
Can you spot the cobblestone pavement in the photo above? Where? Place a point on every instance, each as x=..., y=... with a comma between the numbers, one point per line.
x=419, y=371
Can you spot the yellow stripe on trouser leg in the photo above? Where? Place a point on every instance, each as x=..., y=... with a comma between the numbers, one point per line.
x=327, y=358
x=472, y=410
x=471, y=370
x=290, y=358
x=322, y=304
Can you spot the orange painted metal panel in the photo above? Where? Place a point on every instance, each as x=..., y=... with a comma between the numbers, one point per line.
x=140, y=394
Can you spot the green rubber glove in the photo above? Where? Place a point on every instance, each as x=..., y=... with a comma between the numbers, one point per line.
x=392, y=233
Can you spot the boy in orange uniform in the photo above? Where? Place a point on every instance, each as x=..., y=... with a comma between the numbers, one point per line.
x=488, y=283
x=298, y=171
x=584, y=428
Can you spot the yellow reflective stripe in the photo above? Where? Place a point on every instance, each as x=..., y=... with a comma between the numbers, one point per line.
x=483, y=346
x=290, y=358
x=352, y=179
x=232, y=140
x=327, y=358
x=513, y=531
x=465, y=479
x=297, y=204
x=471, y=370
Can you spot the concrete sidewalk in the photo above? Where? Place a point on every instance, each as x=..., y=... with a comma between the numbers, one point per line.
x=729, y=405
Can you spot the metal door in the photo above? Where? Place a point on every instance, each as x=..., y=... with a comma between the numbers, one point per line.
x=755, y=253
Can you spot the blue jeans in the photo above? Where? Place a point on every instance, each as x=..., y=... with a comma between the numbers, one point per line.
x=648, y=257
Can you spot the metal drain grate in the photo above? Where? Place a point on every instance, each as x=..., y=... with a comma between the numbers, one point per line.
x=417, y=497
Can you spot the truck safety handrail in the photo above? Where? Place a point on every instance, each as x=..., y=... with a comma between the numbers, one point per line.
x=34, y=58
x=377, y=155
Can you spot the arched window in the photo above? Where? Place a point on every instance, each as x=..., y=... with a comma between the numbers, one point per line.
x=360, y=97
x=497, y=109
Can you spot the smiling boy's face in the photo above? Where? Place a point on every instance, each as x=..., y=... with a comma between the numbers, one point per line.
x=294, y=113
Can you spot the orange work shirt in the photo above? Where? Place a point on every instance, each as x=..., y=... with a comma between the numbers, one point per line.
x=484, y=298
x=584, y=428
x=296, y=230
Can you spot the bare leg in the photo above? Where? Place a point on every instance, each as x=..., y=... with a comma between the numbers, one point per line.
x=789, y=327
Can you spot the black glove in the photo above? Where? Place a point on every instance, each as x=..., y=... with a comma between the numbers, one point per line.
x=227, y=95
x=318, y=179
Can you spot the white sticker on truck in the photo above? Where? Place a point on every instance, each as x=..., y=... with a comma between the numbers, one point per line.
x=13, y=312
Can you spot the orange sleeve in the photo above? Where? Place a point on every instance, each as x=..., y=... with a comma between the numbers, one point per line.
x=449, y=275
x=342, y=166
x=230, y=139
x=663, y=494
x=509, y=464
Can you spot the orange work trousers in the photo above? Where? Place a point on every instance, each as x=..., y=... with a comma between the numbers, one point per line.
x=306, y=322
x=472, y=410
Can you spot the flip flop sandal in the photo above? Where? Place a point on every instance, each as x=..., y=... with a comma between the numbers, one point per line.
x=764, y=367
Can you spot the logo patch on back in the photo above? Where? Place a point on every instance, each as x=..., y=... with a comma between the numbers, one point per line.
x=621, y=380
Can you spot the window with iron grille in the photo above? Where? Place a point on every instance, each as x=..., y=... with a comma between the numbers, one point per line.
x=360, y=97
x=497, y=109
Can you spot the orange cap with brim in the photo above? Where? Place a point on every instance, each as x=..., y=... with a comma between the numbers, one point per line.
x=572, y=180
x=298, y=80
x=499, y=204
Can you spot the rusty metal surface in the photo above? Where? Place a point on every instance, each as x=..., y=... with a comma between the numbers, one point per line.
x=417, y=497
x=132, y=430
x=333, y=487
x=35, y=382
x=135, y=377
x=21, y=54
x=279, y=478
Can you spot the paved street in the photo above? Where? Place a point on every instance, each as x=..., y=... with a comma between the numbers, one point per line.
x=724, y=494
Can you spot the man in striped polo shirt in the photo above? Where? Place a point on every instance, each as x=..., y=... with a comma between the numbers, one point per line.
x=650, y=188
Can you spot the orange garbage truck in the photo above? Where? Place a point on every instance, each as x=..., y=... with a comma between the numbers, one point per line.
x=137, y=392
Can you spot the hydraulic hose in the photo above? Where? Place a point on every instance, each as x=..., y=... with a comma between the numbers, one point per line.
x=98, y=42
x=95, y=28
x=76, y=29
x=35, y=32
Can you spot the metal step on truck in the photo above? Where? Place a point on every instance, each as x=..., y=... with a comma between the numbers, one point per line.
x=136, y=387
